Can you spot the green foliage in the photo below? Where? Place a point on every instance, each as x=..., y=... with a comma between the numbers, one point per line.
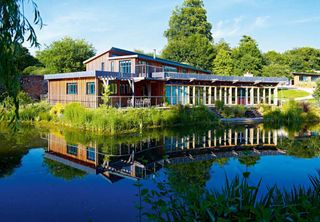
x=63, y=171
x=15, y=29
x=189, y=36
x=106, y=94
x=236, y=201
x=189, y=19
x=112, y=120
x=57, y=110
x=195, y=50
x=248, y=57
x=316, y=93
x=219, y=105
x=303, y=59
x=276, y=70
x=66, y=55
x=292, y=115
x=223, y=63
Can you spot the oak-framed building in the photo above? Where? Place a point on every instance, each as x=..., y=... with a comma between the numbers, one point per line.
x=140, y=80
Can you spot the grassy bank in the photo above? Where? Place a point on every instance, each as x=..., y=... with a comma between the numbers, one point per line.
x=291, y=114
x=111, y=120
x=292, y=93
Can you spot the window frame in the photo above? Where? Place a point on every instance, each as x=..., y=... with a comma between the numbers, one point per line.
x=88, y=87
x=73, y=91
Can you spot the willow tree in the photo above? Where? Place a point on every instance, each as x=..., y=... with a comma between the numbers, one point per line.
x=15, y=29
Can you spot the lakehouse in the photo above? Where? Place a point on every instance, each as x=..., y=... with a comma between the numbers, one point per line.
x=138, y=80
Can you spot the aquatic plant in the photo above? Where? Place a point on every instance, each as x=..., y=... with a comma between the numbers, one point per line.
x=236, y=201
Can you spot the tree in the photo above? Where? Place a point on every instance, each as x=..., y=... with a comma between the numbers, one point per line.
x=189, y=19
x=66, y=55
x=303, y=59
x=248, y=57
x=273, y=57
x=316, y=93
x=276, y=70
x=223, y=63
x=222, y=45
x=189, y=36
x=25, y=59
x=14, y=27
x=195, y=50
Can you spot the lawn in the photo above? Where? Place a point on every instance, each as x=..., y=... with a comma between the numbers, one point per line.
x=292, y=93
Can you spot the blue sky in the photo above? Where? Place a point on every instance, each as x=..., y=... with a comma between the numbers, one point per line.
x=139, y=24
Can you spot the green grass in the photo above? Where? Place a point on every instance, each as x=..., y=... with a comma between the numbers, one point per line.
x=292, y=93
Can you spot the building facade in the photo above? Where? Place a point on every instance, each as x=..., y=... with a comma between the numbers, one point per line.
x=306, y=80
x=134, y=79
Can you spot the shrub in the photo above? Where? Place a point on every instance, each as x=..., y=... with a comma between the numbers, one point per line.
x=57, y=110
x=219, y=105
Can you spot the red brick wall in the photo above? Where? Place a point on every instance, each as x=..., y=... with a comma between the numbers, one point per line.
x=34, y=86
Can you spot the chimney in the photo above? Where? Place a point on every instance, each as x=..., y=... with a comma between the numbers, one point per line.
x=154, y=53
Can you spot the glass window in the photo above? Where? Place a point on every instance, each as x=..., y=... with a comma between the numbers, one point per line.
x=72, y=149
x=303, y=78
x=168, y=94
x=112, y=66
x=102, y=66
x=114, y=88
x=125, y=66
x=72, y=88
x=314, y=78
x=91, y=154
x=90, y=88
x=169, y=69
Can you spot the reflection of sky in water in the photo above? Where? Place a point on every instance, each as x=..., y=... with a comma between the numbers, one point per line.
x=43, y=195
x=284, y=171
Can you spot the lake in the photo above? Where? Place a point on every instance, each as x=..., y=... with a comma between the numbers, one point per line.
x=64, y=175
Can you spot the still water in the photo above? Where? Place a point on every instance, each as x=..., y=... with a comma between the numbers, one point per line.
x=63, y=175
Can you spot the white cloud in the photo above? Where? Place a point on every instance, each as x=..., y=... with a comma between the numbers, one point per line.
x=239, y=26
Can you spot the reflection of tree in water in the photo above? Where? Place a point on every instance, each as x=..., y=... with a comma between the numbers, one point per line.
x=10, y=159
x=303, y=148
x=60, y=170
x=14, y=145
x=191, y=175
x=248, y=161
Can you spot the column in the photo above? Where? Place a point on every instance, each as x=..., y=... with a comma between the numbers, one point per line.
x=225, y=95
x=210, y=95
x=258, y=95
x=220, y=94
x=236, y=95
x=230, y=95
x=275, y=97
x=269, y=96
x=246, y=102
x=215, y=93
x=194, y=95
x=204, y=95
x=188, y=95
x=264, y=95
x=252, y=96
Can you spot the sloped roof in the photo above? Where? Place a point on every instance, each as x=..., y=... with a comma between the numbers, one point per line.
x=147, y=57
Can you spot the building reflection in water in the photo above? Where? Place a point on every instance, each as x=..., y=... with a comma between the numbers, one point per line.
x=137, y=160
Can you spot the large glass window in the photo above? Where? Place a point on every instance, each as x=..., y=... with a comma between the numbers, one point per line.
x=91, y=154
x=314, y=78
x=113, y=88
x=72, y=149
x=125, y=66
x=112, y=66
x=169, y=69
x=72, y=88
x=303, y=78
x=174, y=95
x=90, y=88
x=168, y=94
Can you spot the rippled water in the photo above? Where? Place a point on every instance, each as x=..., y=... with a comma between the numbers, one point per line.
x=63, y=175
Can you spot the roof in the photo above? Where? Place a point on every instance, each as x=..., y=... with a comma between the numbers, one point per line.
x=166, y=76
x=306, y=73
x=204, y=77
x=147, y=57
